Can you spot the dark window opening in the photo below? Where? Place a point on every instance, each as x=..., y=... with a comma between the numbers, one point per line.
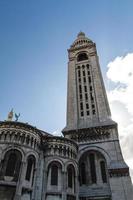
x=80, y=96
x=92, y=98
x=83, y=198
x=85, y=88
x=83, y=174
x=89, y=79
x=27, y=140
x=70, y=177
x=93, y=112
x=87, y=66
x=64, y=151
x=82, y=114
x=70, y=197
x=84, y=79
x=11, y=165
x=92, y=168
x=103, y=171
x=88, y=113
x=80, y=88
x=79, y=80
x=79, y=73
x=82, y=56
x=90, y=88
x=54, y=175
x=86, y=96
x=30, y=165
x=81, y=106
x=87, y=106
x=88, y=72
x=93, y=106
x=83, y=73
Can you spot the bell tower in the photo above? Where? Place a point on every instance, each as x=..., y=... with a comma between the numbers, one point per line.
x=103, y=174
x=87, y=103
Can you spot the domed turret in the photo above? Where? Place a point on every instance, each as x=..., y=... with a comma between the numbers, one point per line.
x=81, y=40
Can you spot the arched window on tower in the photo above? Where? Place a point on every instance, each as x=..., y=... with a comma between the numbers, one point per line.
x=82, y=56
x=54, y=174
x=83, y=174
x=92, y=168
x=103, y=171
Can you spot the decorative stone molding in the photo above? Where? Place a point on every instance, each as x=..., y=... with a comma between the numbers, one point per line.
x=57, y=146
x=19, y=133
x=89, y=46
x=90, y=134
x=119, y=172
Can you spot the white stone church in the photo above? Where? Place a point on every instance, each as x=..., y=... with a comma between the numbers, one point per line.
x=85, y=164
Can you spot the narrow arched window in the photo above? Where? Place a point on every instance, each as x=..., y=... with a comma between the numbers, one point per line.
x=83, y=174
x=70, y=177
x=11, y=165
x=103, y=171
x=54, y=175
x=29, y=168
x=92, y=168
x=82, y=56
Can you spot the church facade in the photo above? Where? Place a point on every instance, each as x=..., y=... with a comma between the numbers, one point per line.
x=85, y=164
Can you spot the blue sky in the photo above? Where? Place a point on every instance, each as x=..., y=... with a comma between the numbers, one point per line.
x=34, y=38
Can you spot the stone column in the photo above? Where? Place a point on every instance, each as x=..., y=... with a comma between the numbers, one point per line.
x=98, y=171
x=76, y=187
x=33, y=192
x=64, y=185
x=39, y=178
x=20, y=181
x=45, y=179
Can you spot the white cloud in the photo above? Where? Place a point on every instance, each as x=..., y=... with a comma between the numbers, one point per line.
x=120, y=72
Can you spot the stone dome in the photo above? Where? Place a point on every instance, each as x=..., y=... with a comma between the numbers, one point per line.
x=81, y=40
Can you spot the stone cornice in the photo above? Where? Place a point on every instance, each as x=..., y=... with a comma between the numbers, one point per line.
x=91, y=134
x=90, y=45
x=57, y=139
x=96, y=133
x=67, y=131
x=119, y=172
x=21, y=125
